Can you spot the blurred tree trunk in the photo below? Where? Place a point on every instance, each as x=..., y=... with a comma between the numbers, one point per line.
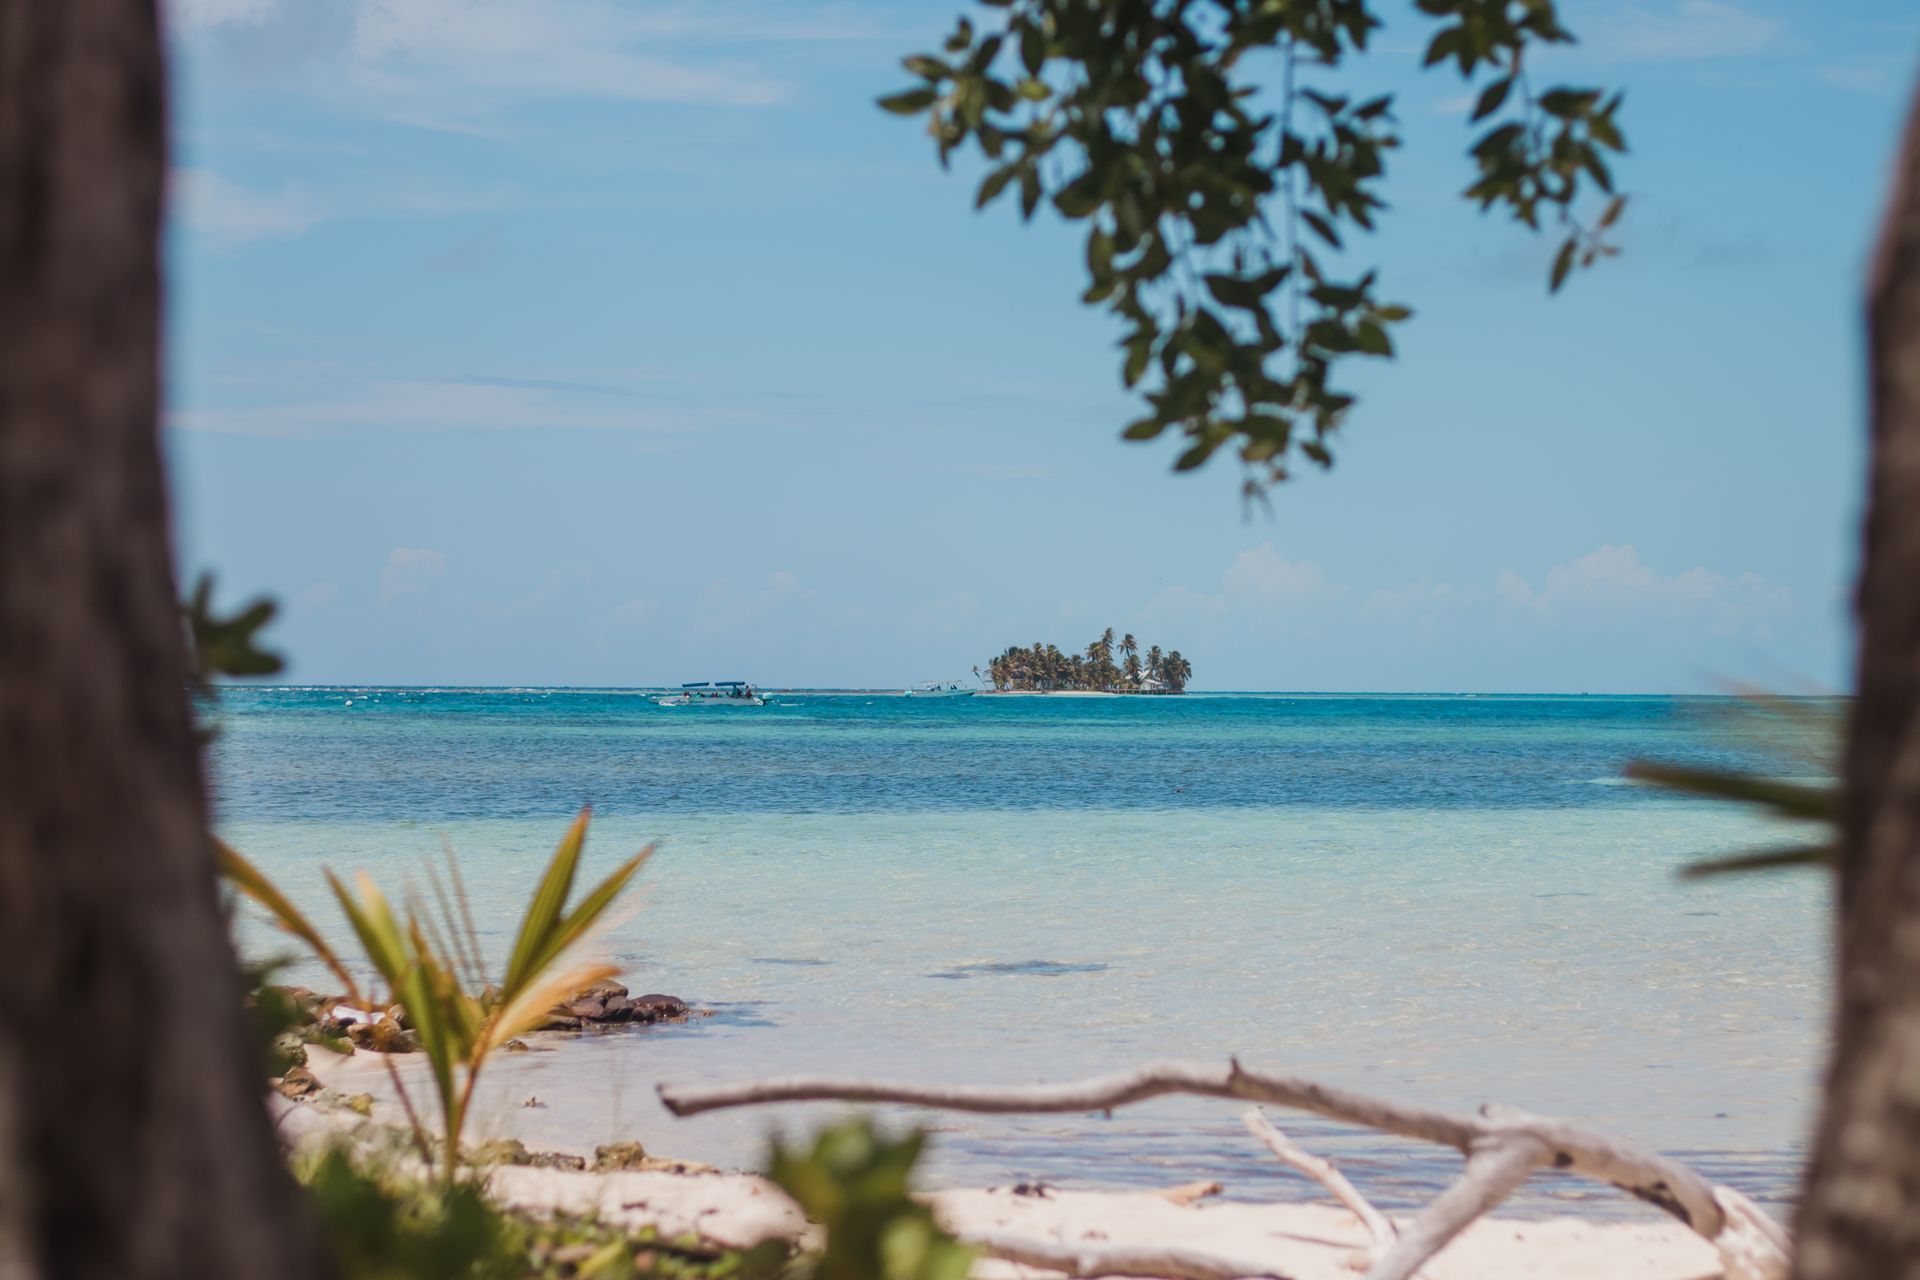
x=133, y=1138
x=1861, y=1213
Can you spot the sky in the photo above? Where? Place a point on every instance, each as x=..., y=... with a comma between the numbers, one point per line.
x=622, y=342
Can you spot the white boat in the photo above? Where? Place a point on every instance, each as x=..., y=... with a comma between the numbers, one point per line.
x=939, y=689
x=714, y=693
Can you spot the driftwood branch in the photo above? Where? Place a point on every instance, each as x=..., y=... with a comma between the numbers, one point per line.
x=1494, y=1170
x=1379, y=1228
x=1503, y=1146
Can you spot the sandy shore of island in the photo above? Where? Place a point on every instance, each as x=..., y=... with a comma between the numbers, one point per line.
x=1301, y=1240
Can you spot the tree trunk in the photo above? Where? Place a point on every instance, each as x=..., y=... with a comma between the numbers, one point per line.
x=1861, y=1212
x=134, y=1140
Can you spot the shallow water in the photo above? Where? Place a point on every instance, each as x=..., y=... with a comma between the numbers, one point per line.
x=1446, y=899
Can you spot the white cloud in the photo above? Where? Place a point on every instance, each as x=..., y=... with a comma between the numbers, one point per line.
x=1423, y=605
x=1602, y=619
x=403, y=404
x=1883, y=74
x=1259, y=582
x=1690, y=30
x=1264, y=578
x=517, y=46
x=227, y=213
x=558, y=593
x=1613, y=586
x=726, y=608
x=410, y=570
x=462, y=54
x=191, y=14
x=1607, y=587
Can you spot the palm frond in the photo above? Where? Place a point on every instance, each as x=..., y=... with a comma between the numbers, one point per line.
x=252, y=882
x=374, y=925
x=1800, y=855
x=545, y=908
x=534, y=1004
x=573, y=926
x=1805, y=802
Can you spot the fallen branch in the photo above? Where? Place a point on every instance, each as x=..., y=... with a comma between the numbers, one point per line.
x=1494, y=1170
x=1378, y=1227
x=1503, y=1146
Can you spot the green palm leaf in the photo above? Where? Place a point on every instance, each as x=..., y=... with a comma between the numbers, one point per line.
x=1800, y=855
x=543, y=912
x=1808, y=803
x=252, y=882
x=572, y=927
x=373, y=923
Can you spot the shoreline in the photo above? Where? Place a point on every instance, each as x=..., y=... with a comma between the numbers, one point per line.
x=1303, y=1237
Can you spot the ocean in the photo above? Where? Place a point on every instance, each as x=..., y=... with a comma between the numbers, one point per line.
x=1445, y=899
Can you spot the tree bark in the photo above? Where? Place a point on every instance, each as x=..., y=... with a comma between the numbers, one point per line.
x=134, y=1140
x=1861, y=1212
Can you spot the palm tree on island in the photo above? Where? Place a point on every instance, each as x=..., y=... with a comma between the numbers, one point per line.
x=1043, y=668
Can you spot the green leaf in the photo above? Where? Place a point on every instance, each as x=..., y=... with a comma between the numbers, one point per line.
x=1195, y=456
x=927, y=68
x=1321, y=227
x=1803, y=855
x=1491, y=97
x=227, y=646
x=253, y=882
x=1568, y=103
x=1232, y=291
x=373, y=923
x=1788, y=799
x=1099, y=255
x=582, y=918
x=1080, y=197
x=1443, y=44
x=1373, y=339
x=544, y=911
x=1033, y=48
x=912, y=102
x=995, y=183
x=1562, y=263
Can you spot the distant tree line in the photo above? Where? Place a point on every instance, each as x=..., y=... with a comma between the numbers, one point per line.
x=1042, y=666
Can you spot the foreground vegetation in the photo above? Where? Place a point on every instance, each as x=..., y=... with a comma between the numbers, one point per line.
x=382, y=1223
x=1044, y=667
x=435, y=979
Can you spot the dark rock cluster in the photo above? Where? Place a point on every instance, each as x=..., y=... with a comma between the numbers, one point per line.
x=601, y=1005
x=609, y=1002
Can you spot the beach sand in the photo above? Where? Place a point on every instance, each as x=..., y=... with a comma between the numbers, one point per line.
x=1301, y=1240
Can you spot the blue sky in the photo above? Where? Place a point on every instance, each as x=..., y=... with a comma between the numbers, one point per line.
x=616, y=342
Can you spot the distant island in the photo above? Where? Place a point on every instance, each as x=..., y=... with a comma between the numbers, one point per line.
x=1042, y=668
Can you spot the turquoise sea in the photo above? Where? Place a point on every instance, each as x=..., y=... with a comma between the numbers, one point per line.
x=1446, y=899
